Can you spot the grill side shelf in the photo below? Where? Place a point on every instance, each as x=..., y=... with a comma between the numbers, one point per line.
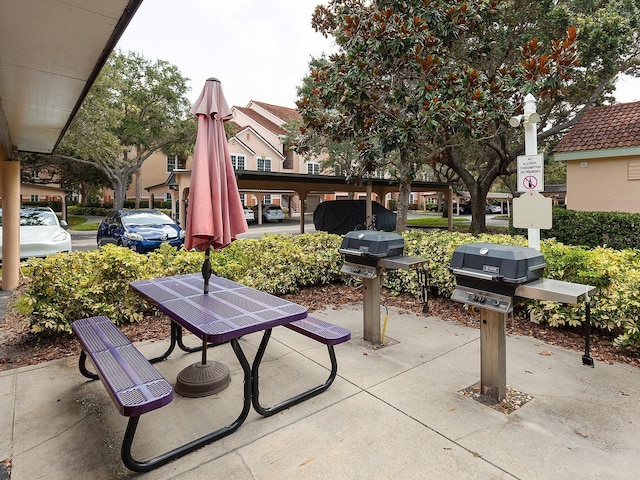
x=554, y=290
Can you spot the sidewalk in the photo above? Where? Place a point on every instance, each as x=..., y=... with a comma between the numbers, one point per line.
x=392, y=413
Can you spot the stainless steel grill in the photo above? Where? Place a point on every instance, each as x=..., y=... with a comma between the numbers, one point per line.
x=490, y=276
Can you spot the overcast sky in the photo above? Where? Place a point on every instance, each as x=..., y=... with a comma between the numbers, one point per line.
x=258, y=49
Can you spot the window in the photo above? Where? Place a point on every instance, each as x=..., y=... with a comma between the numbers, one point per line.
x=172, y=163
x=238, y=161
x=266, y=200
x=634, y=170
x=264, y=164
x=313, y=168
x=243, y=199
x=288, y=158
x=35, y=198
x=167, y=197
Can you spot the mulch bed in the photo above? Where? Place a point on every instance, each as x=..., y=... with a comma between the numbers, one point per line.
x=20, y=348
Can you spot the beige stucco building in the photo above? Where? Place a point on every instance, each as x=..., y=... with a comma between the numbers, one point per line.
x=259, y=145
x=602, y=153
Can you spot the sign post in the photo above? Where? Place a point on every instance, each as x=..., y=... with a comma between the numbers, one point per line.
x=531, y=179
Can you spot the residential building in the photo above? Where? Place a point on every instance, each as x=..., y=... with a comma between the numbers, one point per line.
x=602, y=152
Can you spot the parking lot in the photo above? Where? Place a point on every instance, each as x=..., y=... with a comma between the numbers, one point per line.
x=86, y=240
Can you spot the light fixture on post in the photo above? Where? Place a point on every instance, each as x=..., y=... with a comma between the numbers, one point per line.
x=530, y=118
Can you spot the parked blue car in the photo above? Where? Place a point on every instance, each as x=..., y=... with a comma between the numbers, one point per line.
x=139, y=230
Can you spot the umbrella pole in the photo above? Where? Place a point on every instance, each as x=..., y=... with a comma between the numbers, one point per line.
x=206, y=270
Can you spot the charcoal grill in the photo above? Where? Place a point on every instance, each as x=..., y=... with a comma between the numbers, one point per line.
x=490, y=276
x=367, y=255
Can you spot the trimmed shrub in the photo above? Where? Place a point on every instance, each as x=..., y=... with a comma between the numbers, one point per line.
x=64, y=287
x=592, y=229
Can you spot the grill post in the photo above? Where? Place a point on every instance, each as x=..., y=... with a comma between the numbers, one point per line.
x=493, y=358
x=371, y=309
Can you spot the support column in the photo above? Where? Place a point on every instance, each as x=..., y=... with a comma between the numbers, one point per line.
x=493, y=358
x=371, y=309
x=11, y=224
x=302, y=198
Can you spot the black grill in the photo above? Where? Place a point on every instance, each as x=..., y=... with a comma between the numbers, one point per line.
x=488, y=274
x=369, y=247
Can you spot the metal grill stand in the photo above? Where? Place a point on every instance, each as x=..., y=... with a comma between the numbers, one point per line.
x=489, y=277
x=371, y=278
x=493, y=354
x=368, y=254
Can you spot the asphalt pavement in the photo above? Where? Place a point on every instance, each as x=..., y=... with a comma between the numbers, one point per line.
x=86, y=240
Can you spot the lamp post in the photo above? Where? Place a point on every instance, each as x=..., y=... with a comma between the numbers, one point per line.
x=530, y=119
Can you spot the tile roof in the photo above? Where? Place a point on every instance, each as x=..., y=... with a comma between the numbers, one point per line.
x=284, y=113
x=600, y=128
x=259, y=119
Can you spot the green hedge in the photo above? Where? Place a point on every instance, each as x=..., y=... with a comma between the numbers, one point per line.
x=65, y=287
x=103, y=211
x=591, y=229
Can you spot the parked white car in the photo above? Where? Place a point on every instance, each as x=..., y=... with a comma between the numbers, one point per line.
x=270, y=213
x=491, y=208
x=248, y=215
x=41, y=233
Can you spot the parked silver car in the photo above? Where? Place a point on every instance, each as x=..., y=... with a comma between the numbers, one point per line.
x=249, y=215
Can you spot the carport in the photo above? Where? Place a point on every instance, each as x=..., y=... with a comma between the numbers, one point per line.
x=50, y=54
x=303, y=185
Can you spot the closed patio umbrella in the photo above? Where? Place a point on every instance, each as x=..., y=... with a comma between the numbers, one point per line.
x=215, y=216
x=215, y=213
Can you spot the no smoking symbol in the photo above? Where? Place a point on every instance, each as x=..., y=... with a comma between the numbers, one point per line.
x=530, y=182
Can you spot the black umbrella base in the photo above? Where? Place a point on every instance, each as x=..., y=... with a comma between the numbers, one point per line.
x=200, y=380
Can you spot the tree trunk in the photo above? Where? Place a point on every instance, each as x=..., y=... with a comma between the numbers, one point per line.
x=138, y=188
x=119, y=195
x=404, y=191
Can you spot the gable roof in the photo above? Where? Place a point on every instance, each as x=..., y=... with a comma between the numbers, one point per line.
x=236, y=137
x=260, y=120
x=284, y=113
x=604, y=128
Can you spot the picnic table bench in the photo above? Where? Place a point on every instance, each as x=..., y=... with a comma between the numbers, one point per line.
x=320, y=331
x=136, y=387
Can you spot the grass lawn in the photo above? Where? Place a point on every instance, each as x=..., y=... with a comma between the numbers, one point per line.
x=436, y=222
x=80, y=223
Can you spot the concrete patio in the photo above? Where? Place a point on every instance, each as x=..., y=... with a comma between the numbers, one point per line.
x=394, y=412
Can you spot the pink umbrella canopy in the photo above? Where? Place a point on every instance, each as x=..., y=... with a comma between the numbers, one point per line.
x=215, y=215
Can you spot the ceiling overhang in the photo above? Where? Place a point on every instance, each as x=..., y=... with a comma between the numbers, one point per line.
x=50, y=54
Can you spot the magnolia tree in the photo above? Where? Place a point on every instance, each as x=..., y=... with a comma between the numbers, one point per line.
x=428, y=80
x=136, y=107
x=606, y=34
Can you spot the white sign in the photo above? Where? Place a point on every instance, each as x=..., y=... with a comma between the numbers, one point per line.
x=532, y=210
x=530, y=173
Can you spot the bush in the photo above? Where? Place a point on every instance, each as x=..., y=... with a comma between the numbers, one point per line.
x=64, y=287
x=89, y=211
x=592, y=229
